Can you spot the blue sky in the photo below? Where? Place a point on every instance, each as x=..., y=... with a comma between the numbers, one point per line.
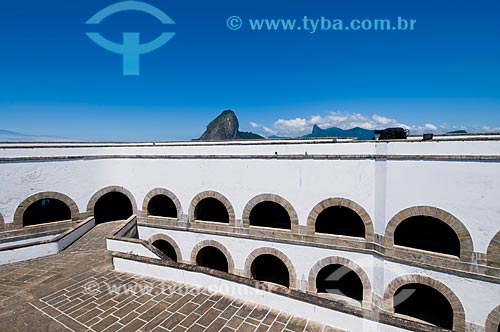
x=55, y=81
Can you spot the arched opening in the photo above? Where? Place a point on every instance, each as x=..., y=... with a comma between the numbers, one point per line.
x=270, y=214
x=427, y=233
x=424, y=303
x=271, y=269
x=166, y=248
x=112, y=206
x=46, y=210
x=211, y=209
x=339, y=280
x=212, y=258
x=492, y=323
x=493, y=252
x=340, y=220
x=162, y=206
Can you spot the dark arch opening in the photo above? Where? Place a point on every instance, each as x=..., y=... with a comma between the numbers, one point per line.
x=427, y=233
x=46, y=210
x=112, y=206
x=212, y=258
x=339, y=280
x=166, y=248
x=270, y=214
x=340, y=220
x=211, y=209
x=270, y=268
x=162, y=206
x=424, y=303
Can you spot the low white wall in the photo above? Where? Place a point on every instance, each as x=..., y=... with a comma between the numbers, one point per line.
x=27, y=241
x=477, y=297
x=249, y=294
x=28, y=252
x=32, y=249
x=129, y=248
x=67, y=239
x=322, y=146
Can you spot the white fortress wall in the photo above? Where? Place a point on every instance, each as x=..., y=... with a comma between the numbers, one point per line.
x=389, y=180
x=379, y=271
x=466, y=189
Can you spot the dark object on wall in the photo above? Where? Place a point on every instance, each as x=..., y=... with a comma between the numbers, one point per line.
x=428, y=137
x=392, y=133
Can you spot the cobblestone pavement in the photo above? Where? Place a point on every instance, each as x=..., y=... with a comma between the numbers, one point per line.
x=77, y=290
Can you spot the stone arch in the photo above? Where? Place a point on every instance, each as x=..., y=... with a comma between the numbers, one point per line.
x=171, y=241
x=367, y=288
x=493, y=252
x=164, y=192
x=454, y=301
x=344, y=202
x=21, y=209
x=212, y=194
x=294, y=219
x=111, y=189
x=215, y=244
x=493, y=321
x=466, y=245
x=275, y=252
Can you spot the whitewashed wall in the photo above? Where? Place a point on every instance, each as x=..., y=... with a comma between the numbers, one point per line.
x=379, y=271
x=467, y=189
x=248, y=294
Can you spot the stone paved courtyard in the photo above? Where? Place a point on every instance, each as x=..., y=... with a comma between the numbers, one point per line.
x=77, y=290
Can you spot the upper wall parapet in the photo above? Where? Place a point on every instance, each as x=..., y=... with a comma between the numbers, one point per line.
x=486, y=148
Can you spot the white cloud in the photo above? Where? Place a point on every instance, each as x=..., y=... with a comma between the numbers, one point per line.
x=290, y=126
x=381, y=119
x=302, y=126
x=269, y=132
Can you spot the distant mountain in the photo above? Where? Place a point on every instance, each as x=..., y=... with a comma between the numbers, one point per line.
x=360, y=133
x=249, y=135
x=458, y=132
x=12, y=136
x=226, y=127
